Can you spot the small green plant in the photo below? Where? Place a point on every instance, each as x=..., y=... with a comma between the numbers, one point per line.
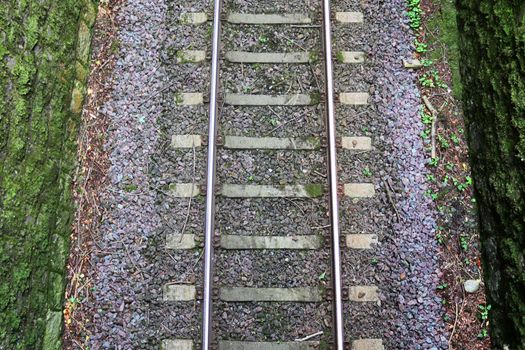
x=434, y=162
x=251, y=178
x=130, y=188
x=263, y=39
x=483, y=314
x=443, y=142
x=483, y=333
x=179, y=99
x=467, y=261
x=463, y=242
x=367, y=172
x=449, y=166
x=431, y=178
x=414, y=14
x=433, y=195
x=432, y=79
x=454, y=139
x=440, y=238
x=425, y=134
x=340, y=57
x=374, y=261
x=421, y=47
x=442, y=286
x=484, y=311
x=322, y=277
x=426, y=81
x=313, y=57
x=426, y=62
x=426, y=118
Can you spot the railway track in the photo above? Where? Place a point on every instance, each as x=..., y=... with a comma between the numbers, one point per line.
x=305, y=92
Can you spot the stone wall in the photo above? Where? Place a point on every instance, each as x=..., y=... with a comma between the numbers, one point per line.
x=44, y=54
x=492, y=43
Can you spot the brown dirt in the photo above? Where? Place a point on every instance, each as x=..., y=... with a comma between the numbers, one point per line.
x=457, y=222
x=90, y=177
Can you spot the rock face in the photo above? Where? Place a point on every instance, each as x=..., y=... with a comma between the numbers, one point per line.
x=493, y=72
x=44, y=53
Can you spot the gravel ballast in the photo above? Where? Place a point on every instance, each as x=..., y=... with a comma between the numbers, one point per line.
x=131, y=264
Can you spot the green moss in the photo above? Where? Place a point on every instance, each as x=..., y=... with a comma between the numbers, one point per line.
x=315, y=142
x=37, y=156
x=492, y=44
x=314, y=190
x=446, y=44
x=130, y=188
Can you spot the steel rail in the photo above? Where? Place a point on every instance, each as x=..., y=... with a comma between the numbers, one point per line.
x=334, y=204
x=210, y=182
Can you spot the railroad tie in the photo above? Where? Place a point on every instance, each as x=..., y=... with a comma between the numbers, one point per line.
x=190, y=56
x=246, y=18
x=246, y=345
x=186, y=344
x=354, y=98
x=359, y=190
x=271, y=242
x=268, y=191
x=179, y=292
x=349, y=17
x=351, y=57
x=183, y=190
x=356, y=143
x=367, y=344
x=270, y=100
x=251, y=294
x=194, y=18
x=269, y=57
x=363, y=293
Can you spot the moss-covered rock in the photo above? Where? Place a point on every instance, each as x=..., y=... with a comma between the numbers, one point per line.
x=39, y=56
x=492, y=43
